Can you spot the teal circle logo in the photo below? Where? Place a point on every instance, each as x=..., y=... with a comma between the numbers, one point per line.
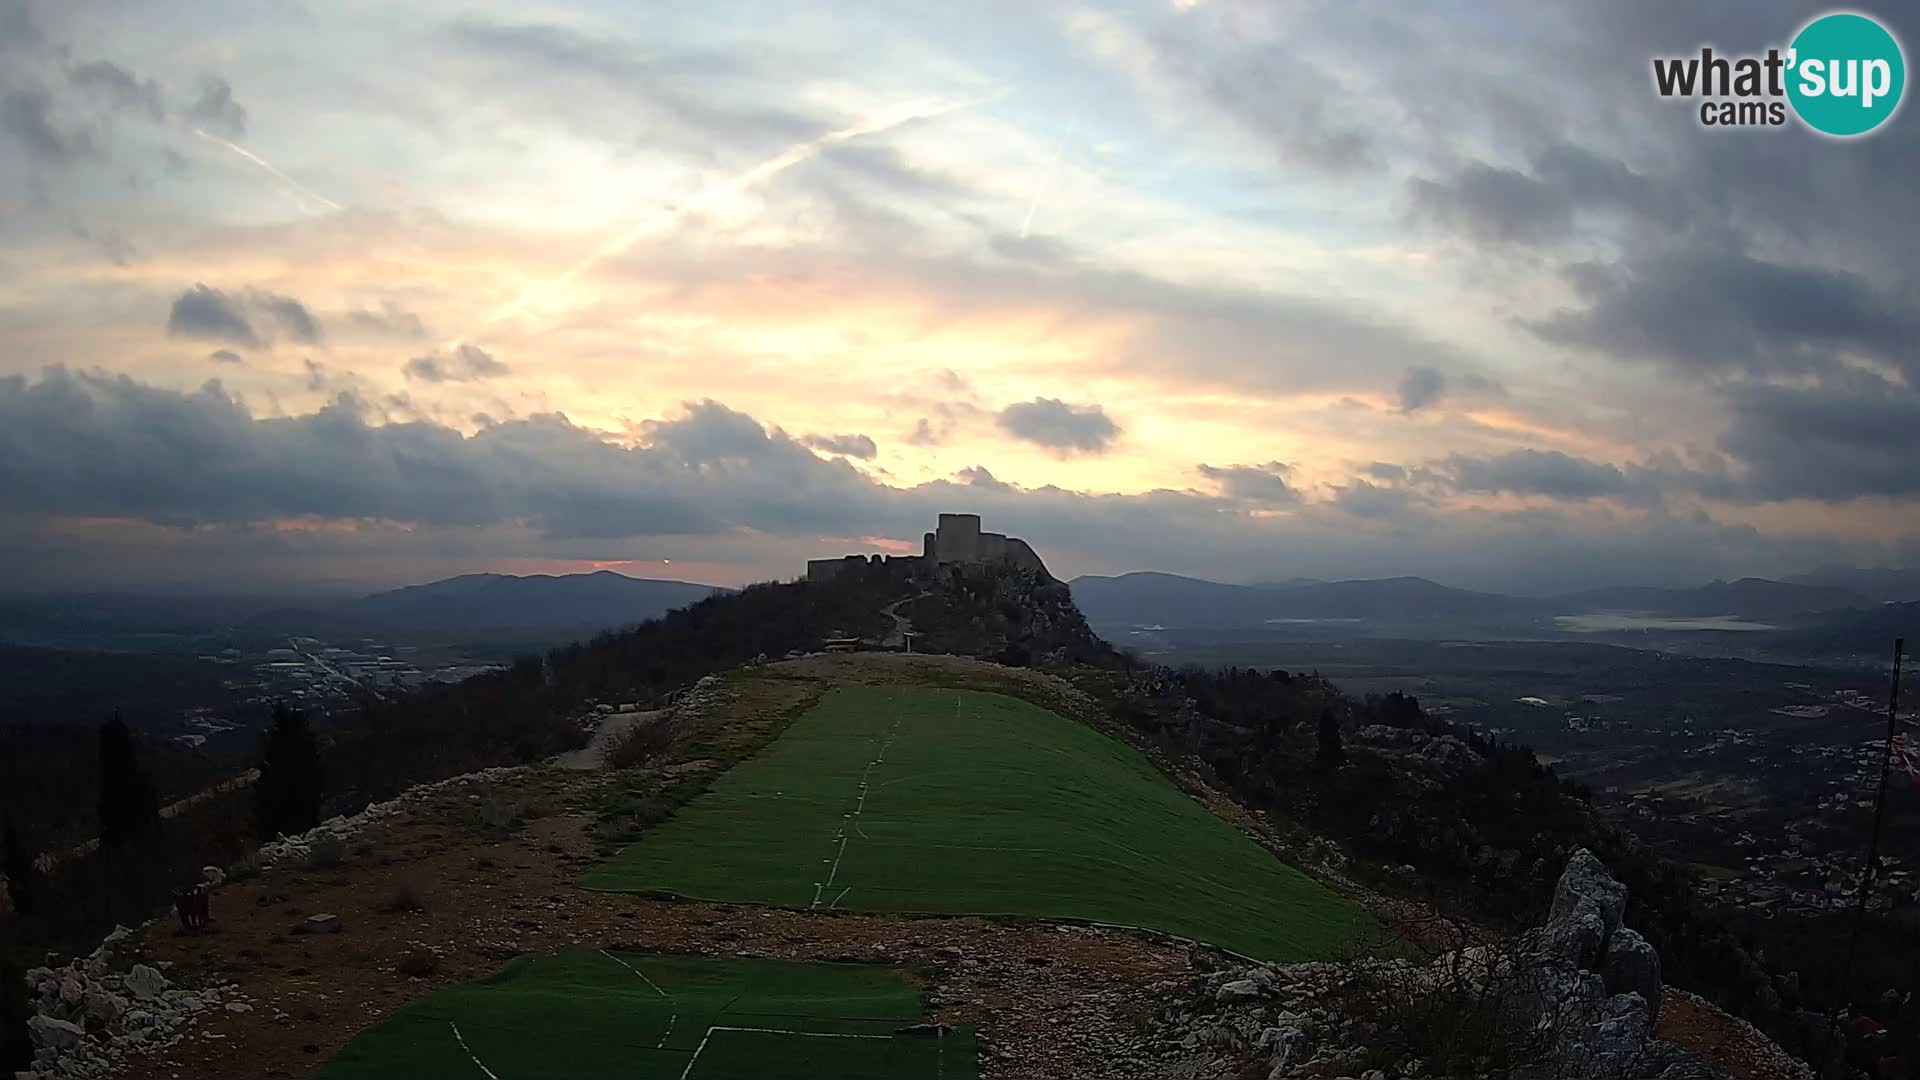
x=1845, y=75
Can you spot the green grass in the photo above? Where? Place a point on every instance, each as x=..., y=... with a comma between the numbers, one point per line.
x=586, y=1013
x=978, y=803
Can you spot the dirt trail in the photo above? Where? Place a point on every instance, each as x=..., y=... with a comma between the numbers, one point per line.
x=612, y=729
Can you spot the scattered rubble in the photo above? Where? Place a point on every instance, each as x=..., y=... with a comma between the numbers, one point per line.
x=345, y=827
x=1575, y=999
x=92, y=1014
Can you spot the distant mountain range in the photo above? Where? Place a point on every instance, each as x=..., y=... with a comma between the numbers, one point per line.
x=476, y=607
x=1879, y=583
x=1145, y=599
x=1758, y=599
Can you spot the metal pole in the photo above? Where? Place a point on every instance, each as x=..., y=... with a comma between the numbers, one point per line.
x=1873, y=847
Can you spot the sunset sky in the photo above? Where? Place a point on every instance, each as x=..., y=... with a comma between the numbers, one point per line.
x=341, y=296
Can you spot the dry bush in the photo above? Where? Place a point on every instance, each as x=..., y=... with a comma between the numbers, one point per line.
x=326, y=854
x=418, y=964
x=406, y=900
x=642, y=744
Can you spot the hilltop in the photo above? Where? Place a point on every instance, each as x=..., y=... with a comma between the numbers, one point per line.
x=1420, y=824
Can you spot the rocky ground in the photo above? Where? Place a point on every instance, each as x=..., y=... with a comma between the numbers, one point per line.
x=446, y=883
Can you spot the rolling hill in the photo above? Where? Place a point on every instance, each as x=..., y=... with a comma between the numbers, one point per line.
x=1748, y=598
x=475, y=607
x=1141, y=599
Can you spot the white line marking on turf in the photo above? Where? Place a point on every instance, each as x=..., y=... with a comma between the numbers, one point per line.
x=470, y=1057
x=859, y=808
x=672, y=1018
x=688, y=1071
x=837, y=899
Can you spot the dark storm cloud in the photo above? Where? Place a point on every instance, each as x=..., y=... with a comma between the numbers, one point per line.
x=1848, y=437
x=210, y=315
x=27, y=116
x=92, y=444
x=1058, y=426
x=856, y=446
x=1497, y=205
x=1536, y=472
x=1703, y=312
x=216, y=110
x=1264, y=484
x=291, y=314
x=1367, y=500
x=1422, y=386
x=391, y=320
x=122, y=87
x=467, y=363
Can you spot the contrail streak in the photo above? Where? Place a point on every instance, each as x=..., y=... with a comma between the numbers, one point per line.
x=295, y=185
x=773, y=166
x=1026, y=223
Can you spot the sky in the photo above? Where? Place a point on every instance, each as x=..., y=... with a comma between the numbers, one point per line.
x=309, y=297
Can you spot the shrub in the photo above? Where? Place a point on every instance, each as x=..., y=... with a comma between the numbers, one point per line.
x=406, y=899
x=642, y=744
x=326, y=854
x=419, y=964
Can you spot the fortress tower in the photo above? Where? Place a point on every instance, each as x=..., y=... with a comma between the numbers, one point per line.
x=957, y=539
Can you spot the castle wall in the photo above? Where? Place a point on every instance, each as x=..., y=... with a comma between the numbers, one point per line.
x=957, y=540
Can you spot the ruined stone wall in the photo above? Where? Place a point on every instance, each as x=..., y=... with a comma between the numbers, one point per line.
x=958, y=539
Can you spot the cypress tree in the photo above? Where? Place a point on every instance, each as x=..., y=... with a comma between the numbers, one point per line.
x=128, y=804
x=19, y=870
x=1332, y=753
x=286, y=799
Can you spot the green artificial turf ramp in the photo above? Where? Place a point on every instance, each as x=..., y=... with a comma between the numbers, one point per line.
x=955, y=801
x=587, y=1013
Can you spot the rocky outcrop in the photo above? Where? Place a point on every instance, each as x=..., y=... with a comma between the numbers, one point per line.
x=1574, y=999
x=89, y=1015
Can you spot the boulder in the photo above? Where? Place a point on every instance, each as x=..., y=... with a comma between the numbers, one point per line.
x=54, y=1034
x=1587, y=885
x=323, y=924
x=1236, y=991
x=1631, y=966
x=72, y=991
x=103, y=1006
x=145, y=983
x=213, y=876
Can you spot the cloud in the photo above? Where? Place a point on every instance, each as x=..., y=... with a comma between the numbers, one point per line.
x=467, y=363
x=208, y=314
x=1061, y=427
x=216, y=110
x=1704, y=312
x=122, y=87
x=83, y=455
x=291, y=314
x=1421, y=387
x=1497, y=205
x=225, y=356
x=856, y=446
x=1385, y=470
x=1844, y=438
x=1536, y=472
x=27, y=115
x=390, y=321
x=1263, y=484
x=1367, y=500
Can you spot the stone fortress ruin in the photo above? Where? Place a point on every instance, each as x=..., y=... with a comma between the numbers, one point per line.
x=957, y=539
